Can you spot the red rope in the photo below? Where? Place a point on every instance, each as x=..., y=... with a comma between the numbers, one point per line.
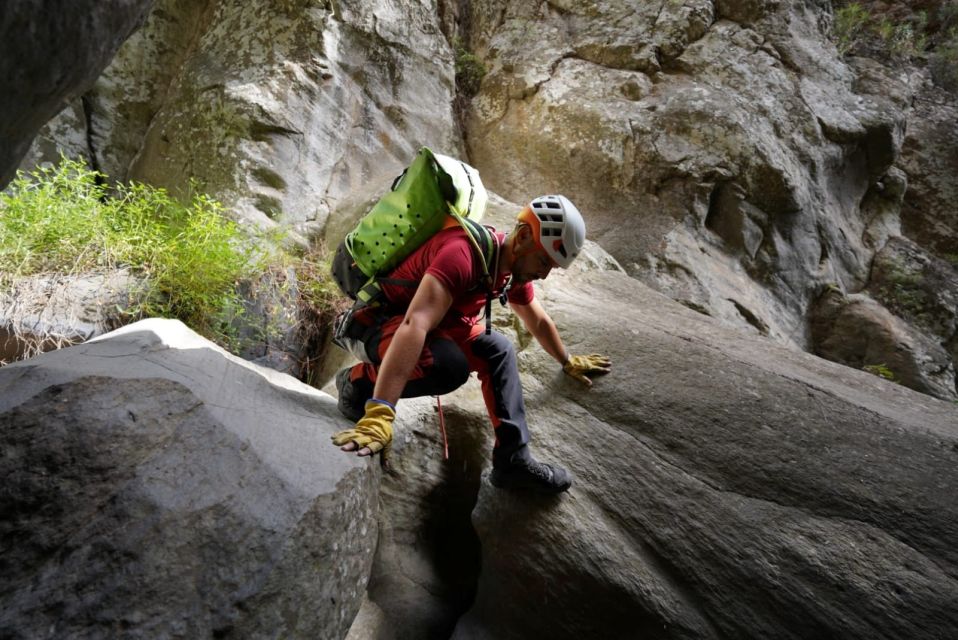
x=442, y=429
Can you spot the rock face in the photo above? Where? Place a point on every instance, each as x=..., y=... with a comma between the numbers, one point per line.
x=858, y=331
x=930, y=159
x=278, y=110
x=158, y=487
x=720, y=149
x=919, y=287
x=725, y=488
x=52, y=52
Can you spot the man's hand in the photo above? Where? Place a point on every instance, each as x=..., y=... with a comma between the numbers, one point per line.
x=372, y=434
x=581, y=367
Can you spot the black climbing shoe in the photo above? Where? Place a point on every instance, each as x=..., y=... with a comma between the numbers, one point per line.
x=523, y=471
x=352, y=401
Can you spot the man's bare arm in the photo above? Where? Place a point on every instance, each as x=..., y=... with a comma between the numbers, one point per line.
x=542, y=328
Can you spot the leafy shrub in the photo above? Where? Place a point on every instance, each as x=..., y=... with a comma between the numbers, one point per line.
x=880, y=370
x=469, y=70
x=906, y=38
x=62, y=220
x=850, y=26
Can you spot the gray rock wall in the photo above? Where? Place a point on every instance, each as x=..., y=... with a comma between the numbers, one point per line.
x=52, y=51
x=280, y=110
x=720, y=149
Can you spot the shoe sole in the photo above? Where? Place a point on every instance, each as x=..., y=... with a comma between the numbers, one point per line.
x=345, y=409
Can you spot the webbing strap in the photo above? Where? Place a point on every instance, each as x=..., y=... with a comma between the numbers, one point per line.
x=369, y=292
x=442, y=430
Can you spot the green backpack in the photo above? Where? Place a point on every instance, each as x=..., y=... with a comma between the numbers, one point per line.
x=431, y=191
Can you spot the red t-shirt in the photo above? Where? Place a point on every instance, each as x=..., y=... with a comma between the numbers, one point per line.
x=450, y=258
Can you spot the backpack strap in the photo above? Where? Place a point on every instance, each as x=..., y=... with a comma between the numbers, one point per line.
x=487, y=247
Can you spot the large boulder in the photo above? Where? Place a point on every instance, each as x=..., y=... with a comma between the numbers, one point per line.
x=726, y=487
x=155, y=486
x=52, y=51
x=860, y=332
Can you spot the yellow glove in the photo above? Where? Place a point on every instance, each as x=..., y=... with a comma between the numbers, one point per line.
x=374, y=430
x=580, y=367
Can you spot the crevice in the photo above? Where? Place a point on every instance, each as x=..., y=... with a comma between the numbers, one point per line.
x=262, y=131
x=425, y=574
x=714, y=210
x=750, y=317
x=461, y=36
x=87, y=105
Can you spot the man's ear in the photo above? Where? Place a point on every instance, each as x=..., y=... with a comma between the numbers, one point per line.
x=523, y=234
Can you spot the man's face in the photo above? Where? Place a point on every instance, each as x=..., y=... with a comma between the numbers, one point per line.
x=534, y=265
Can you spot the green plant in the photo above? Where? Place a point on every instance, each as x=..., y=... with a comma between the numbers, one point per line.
x=906, y=38
x=188, y=256
x=880, y=370
x=943, y=62
x=902, y=289
x=849, y=26
x=469, y=69
x=320, y=300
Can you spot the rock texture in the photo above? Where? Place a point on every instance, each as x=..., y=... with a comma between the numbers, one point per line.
x=41, y=313
x=53, y=50
x=157, y=487
x=858, y=331
x=720, y=149
x=725, y=488
x=919, y=287
x=279, y=110
x=930, y=159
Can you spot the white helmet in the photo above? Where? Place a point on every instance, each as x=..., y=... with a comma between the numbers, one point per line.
x=557, y=225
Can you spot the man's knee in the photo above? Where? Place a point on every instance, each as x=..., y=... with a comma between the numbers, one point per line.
x=447, y=370
x=494, y=347
x=450, y=368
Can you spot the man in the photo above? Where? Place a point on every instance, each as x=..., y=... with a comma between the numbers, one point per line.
x=428, y=340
